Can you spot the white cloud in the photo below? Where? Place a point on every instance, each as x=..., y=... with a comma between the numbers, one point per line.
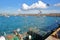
x=55, y=11
x=38, y=4
x=34, y=11
x=19, y=10
x=27, y=11
x=25, y=6
x=58, y=4
x=50, y=11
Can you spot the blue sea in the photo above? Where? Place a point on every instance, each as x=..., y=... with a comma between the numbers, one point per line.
x=44, y=23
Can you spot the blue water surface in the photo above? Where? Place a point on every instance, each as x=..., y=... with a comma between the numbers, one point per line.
x=46, y=23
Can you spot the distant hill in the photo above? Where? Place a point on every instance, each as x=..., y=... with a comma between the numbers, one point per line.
x=50, y=14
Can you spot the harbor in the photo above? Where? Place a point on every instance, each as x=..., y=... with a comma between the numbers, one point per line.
x=29, y=19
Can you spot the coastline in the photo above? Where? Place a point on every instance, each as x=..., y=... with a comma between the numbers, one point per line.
x=50, y=14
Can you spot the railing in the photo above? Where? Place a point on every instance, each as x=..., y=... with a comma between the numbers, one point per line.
x=56, y=26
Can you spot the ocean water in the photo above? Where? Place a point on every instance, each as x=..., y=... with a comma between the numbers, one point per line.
x=44, y=23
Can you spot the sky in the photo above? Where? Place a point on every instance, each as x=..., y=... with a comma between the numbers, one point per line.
x=29, y=6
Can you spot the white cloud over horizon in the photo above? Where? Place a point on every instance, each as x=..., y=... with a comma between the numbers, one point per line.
x=35, y=11
x=50, y=11
x=58, y=4
x=38, y=4
x=28, y=11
